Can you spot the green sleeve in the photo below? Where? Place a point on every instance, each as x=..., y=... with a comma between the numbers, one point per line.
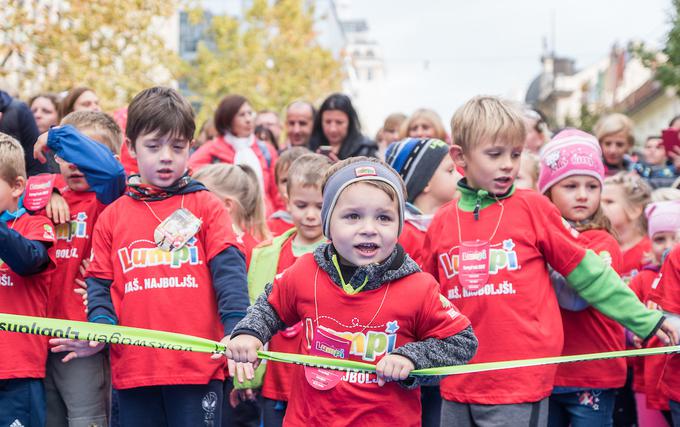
x=598, y=283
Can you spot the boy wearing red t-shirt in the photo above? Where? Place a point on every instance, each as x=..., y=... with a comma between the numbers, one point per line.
x=175, y=267
x=489, y=251
x=303, y=194
x=94, y=178
x=26, y=263
x=430, y=177
x=359, y=297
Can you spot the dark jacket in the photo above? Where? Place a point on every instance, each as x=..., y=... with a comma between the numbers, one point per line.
x=18, y=122
x=355, y=146
x=360, y=146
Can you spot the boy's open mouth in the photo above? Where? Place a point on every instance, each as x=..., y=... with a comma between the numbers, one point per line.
x=164, y=173
x=503, y=179
x=367, y=248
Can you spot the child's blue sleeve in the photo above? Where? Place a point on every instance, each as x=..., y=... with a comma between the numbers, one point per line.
x=228, y=270
x=22, y=255
x=99, y=304
x=103, y=172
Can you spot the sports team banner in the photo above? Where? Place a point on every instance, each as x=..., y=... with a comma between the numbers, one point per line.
x=113, y=334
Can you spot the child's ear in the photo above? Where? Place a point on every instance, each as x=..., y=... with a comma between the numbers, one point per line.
x=18, y=187
x=456, y=153
x=131, y=147
x=229, y=204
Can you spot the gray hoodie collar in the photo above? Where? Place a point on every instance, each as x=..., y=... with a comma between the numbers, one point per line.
x=396, y=266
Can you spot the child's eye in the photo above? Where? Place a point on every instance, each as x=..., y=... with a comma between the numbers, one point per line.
x=384, y=218
x=516, y=154
x=352, y=216
x=301, y=205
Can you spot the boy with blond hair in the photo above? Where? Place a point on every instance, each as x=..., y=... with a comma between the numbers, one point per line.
x=489, y=251
x=26, y=264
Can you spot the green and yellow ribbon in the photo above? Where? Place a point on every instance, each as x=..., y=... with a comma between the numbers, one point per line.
x=114, y=334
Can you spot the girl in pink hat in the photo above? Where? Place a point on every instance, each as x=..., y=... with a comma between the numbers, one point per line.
x=572, y=175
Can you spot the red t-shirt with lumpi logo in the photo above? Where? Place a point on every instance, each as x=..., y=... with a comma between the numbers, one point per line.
x=667, y=295
x=412, y=240
x=516, y=315
x=589, y=331
x=376, y=322
x=24, y=355
x=74, y=243
x=165, y=291
x=277, y=378
x=635, y=258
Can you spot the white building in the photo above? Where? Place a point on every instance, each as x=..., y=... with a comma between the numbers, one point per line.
x=560, y=91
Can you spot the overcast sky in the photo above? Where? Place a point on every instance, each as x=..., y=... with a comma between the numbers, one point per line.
x=439, y=53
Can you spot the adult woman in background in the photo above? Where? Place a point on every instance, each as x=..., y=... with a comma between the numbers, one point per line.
x=79, y=99
x=237, y=144
x=45, y=109
x=337, y=131
x=424, y=123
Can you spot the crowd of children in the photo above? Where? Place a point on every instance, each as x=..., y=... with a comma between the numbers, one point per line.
x=455, y=249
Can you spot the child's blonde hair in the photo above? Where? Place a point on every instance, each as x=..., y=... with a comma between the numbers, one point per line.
x=428, y=115
x=614, y=123
x=240, y=183
x=665, y=194
x=12, y=161
x=286, y=159
x=378, y=184
x=484, y=118
x=636, y=195
x=97, y=125
x=308, y=171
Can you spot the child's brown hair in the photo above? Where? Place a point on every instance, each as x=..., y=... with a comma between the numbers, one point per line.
x=286, y=159
x=162, y=111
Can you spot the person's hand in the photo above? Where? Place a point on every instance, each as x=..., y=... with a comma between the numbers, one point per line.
x=40, y=148
x=238, y=396
x=76, y=348
x=243, y=348
x=667, y=333
x=57, y=209
x=82, y=291
x=393, y=367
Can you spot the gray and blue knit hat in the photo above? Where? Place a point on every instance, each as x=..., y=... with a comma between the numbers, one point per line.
x=416, y=160
x=353, y=173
